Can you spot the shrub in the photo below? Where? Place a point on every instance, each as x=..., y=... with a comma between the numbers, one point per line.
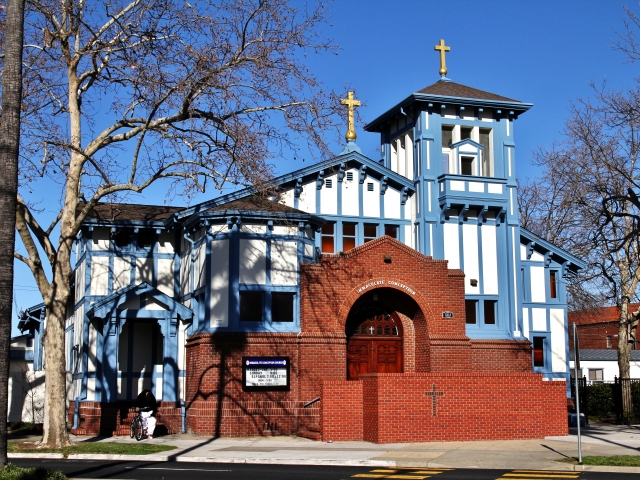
x=600, y=400
x=11, y=472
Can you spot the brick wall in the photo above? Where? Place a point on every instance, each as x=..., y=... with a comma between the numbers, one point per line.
x=342, y=420
x=102, y=418
x=418, y=289
x=468, y=407
x=595, y=335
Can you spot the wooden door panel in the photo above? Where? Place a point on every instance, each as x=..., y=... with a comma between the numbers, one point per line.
x=358, y=358
x=375, y=346
x=388, y=356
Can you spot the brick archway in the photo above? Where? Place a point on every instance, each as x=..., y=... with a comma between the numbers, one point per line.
x=376, y=285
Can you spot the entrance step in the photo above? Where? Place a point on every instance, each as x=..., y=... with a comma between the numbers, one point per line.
x=310, y=435
x=314, y=427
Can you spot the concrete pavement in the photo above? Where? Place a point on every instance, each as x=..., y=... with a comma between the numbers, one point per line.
x=541, y=454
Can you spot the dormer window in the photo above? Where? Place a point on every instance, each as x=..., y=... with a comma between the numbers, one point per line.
x=466, y=150
x=467, y=166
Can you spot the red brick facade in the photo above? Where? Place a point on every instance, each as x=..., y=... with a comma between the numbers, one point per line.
x=484, y=389
x=598, y=327
x=488, y=390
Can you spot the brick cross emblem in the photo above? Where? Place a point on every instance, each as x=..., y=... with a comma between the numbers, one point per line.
x=434, y=398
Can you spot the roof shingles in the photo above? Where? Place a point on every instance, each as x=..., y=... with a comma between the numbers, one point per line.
x=452, y=89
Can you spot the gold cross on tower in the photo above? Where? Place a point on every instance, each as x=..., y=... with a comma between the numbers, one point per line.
x=443, y=63
x=351, y=103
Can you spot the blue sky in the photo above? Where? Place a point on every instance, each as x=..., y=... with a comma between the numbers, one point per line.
x=542, y=52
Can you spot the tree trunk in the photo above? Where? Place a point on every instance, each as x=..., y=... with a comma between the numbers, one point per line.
x=624, y=356
x=55, y=424
x=9, y=149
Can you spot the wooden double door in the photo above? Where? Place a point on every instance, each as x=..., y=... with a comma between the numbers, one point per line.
x=375, y=345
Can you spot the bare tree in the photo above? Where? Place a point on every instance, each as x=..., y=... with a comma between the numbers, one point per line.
x=12, y=24
x=586, y=183
x=120, y=94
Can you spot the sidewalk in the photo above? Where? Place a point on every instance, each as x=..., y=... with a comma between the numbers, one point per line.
x=599, y=439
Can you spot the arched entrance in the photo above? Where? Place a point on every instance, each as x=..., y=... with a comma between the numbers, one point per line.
x=374, y=342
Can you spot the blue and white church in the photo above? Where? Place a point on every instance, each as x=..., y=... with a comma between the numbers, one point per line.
x=229, y=274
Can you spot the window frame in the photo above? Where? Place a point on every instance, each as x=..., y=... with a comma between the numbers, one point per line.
x=353, y=237
x=251, y=321
x=546, y=359
x=467, y=308
x=331, y=235
x=367, y=238
x=596, y=371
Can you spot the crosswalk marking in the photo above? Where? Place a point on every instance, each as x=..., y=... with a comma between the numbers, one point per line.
x=428, y=471
x=539, y=474
x=390, y=475
x=402, y=473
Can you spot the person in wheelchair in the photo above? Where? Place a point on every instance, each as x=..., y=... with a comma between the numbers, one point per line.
x=146, y=402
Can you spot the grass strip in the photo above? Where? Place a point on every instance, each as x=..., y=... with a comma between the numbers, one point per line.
x=612, y=461
x=92, y=448
x=11, y=472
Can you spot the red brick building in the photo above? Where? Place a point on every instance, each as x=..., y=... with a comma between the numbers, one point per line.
x=383, y=353
x=598, y=327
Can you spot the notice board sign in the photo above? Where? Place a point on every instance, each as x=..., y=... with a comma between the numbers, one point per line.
x=261, y=374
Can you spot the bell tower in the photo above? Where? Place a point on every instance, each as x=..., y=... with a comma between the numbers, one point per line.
x=456, y=143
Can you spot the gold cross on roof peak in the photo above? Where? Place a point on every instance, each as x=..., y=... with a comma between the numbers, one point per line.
x=351, y=103
x=443, y=62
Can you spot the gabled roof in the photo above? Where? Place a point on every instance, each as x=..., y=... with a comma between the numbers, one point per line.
x=446, y=92
x=112, y=213
x=255, y=203
x=109, y=305
x=348, y=160
x=542, y=246
x=253, y=208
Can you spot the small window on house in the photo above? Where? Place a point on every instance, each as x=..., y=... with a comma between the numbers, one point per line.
x=122, y=238
x=466, y=165
x=327, y=237
x=348, y=236
x=538, y=351
x=369, y=187
x=553, y=290
x=282, y=307
x=144, y=238
x=485, y=141
x=595, y=375
x=391, y=230
x=30, y=341
x=251, y=306
x=349, y=176
x=490, y=312
x=609, y=341
x=370, y=232
x=328, y=183
x=471, y=311
x=465, y=133
x=447, y=136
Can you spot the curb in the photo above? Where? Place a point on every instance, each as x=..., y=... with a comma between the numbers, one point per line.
x=288, y=461
x=606, y=468
x=50, y=456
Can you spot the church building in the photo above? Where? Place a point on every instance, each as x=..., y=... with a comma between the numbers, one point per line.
x=387, y=299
